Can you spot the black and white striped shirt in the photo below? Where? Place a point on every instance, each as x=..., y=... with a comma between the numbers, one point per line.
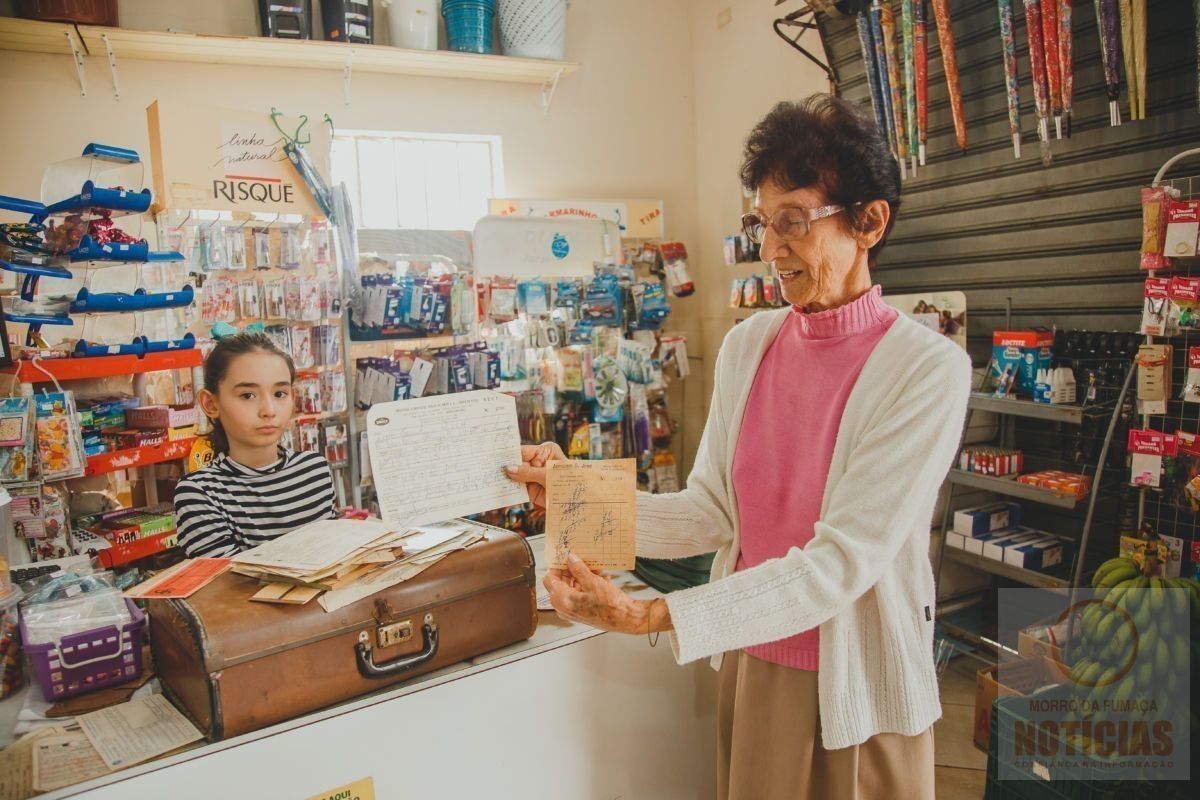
x=228, y=507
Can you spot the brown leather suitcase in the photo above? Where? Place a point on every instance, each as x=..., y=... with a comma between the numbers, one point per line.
x=235, y=666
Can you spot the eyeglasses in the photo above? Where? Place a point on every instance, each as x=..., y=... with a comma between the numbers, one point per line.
x=792, y=222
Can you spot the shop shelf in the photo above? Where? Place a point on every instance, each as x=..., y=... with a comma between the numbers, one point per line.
x=309, y=54
x=19, y=204
x=116, y=460
x=118, y=554
x=113, y=303
x=1010, y=488
x=1028, y=577
x=39, y=319
x=136, y=253
x=1013, y=407
x=40, y=270
x=114, y=202
x=73, y=369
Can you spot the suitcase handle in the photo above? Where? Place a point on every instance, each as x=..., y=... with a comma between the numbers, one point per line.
x=369, y=669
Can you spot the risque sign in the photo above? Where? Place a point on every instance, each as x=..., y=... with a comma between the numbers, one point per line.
x=221, y=159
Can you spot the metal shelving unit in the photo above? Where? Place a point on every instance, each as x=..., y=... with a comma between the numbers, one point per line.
x=1067, y=578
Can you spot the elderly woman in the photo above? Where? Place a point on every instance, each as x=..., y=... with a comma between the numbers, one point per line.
x=832, y=425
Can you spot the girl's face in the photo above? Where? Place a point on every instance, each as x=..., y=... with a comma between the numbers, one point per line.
x=254, y=400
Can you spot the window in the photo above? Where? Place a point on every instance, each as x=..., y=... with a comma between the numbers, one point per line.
x=418, y=180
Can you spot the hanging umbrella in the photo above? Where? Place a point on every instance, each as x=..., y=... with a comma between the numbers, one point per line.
x=1011, y=82
x=910, y=81
x=1050, y=55
x=1037, y=66
x=1139, y=55
x=1125, y=12
x=885, y=91
x=887, y=21
x=1066, y=59
x=868, y=51
x=1110, y=50
x=921, y=70
x=941, y=13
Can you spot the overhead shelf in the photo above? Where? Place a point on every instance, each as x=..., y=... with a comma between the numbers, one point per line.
x=1010, y=488
x=1028, y=577
x=52, y=37
x=31, y=36
x=1069, y=414
x=73, y=369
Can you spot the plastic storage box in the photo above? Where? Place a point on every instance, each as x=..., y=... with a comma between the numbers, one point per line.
x=83, y=662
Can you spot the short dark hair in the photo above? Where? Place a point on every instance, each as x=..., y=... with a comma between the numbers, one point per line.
x=216, y=367
x=828, y=143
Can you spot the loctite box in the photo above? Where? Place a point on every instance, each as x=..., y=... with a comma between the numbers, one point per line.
x=1017, y=356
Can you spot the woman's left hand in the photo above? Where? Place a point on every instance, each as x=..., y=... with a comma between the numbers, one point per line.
x=580, y=595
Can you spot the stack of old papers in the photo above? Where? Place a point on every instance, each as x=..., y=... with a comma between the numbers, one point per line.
x=342, y=561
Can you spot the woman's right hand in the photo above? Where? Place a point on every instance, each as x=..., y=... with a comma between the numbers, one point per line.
x=532, y=471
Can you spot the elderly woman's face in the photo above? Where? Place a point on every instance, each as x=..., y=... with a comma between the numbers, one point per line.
x=823, y=269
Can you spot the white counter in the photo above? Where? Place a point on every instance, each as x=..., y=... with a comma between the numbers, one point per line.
x=570, y=713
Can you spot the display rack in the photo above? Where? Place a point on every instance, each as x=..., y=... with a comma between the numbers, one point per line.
x=950, y=619
x=71, y=236
x=1169, y=515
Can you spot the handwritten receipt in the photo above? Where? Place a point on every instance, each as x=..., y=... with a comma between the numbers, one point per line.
x=590, y=511
x=435, y=458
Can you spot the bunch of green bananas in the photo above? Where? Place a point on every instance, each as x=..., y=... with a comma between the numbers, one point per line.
x=1133, y=641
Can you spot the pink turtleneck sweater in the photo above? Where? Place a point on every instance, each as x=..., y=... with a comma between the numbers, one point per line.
x=786, y=443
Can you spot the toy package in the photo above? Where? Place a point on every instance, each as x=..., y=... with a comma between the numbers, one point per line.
x=59, y=438
x=16, y=439
x=39, y=515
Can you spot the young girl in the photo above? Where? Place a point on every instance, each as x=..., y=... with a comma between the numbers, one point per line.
x=254, y=490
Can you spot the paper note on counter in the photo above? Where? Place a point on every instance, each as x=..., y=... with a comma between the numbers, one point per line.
x=182, y=580
x=591, y=512
x=141, y=729
x=436, y=458
x=316, y=545
x=16, y=764
x=65, y=760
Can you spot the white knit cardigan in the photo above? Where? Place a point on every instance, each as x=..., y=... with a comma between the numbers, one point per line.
x=864, y=578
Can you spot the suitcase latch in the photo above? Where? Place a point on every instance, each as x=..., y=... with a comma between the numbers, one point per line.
x=396, y=633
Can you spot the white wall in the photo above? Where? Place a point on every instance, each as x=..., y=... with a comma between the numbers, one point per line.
x=741, y=70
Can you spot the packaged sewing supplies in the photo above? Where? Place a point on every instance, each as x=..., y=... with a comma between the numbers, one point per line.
x=1147, y=449
x=675, y=264
x=333, y=392
x=59, y=438
x=1155, y=202
x=212, y=242
x=533, y=297
x=1191, y=387
x=16, y=439
x=249, y=300
x=326, y=345
x=1185, y=303
x=302, y=346
x=235, y=248
x=308, y=395
x=280, y=335
x=319, y=242
x=335, y=445
x=1156, y=307
x=1183, y=228
x=289, y=248
x=1154, y=378
x=274, y=300
x=262, y=248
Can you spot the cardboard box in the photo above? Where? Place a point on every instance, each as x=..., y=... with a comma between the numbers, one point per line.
x=1039, y=554
x=956, y=540
x=987, y=518
x=1017, y=356
x=1046, y=638
x=1013, y=678
x=995, y=548
x=975, y=544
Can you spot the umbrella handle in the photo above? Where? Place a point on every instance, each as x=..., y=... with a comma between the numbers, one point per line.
x=1172, y=161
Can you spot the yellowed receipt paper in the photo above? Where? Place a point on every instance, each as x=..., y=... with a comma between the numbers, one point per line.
x=591, y=512
x=141, y=729
x=65, y=760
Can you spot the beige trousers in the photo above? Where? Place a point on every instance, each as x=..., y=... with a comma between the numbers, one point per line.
x=769, y=744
